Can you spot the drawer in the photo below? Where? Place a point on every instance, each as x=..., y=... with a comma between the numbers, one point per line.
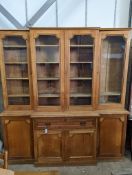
x=81, y=123
x=66, y=123
x=48, y=123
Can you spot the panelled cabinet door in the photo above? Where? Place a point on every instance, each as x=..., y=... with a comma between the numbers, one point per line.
x=15, y=70
x=80, y=66
x=48, y=146
x=112, y=136
x=81, y=146
x=48, y=68
x=18, y=138
x=113, y=68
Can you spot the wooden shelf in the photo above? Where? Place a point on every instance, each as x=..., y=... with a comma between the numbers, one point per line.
x=80, y=95
x=49, y=95
x=81, y=78
x=81, y=62
x=48, y=78
x=46, y=45
x=113, y=55
x=81, y=45
x=20, y=78
x=111, y=94
x=16, y=63
x=47, y=62
x=15, y=46
x=19, y=95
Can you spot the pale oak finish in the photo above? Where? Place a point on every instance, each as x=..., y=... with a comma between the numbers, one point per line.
x=111, y=135
x=60, y=141
x=18, y=137
x=34, y=34
x=24, y=35
x=68, y=35
x=64, y=134
x=126, y=34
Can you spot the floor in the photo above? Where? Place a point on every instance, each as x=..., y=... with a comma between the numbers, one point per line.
x=102, y=168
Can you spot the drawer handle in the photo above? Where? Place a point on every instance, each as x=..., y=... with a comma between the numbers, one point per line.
x=82, y=123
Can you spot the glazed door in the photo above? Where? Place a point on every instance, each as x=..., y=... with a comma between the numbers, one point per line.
x=15, y=70
x=113, y=68
x=80, y=54
x=48, y=146
x=112, y=130
x=48, y=68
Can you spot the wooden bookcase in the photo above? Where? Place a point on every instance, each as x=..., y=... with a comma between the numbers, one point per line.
x=64, y=89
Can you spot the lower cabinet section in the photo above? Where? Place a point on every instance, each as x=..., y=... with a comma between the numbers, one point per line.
x=65, y=140
x=112, y=130
x=61, y=143
x=17, y=132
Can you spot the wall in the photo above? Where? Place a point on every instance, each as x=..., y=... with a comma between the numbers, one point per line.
x=122, y=14
x=100, y=13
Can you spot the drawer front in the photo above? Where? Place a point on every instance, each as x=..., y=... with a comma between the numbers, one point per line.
x=48, y=123
x=82, y=123
x=66, y=123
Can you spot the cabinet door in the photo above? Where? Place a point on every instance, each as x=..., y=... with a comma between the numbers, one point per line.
x=112, y=129
x=80, y=68
x=81, y=146
x=18, y=138
x=48, y=146
x=15, y=70
x=48, y=68
x=113, y=68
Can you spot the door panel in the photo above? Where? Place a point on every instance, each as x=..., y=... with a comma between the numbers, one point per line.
x=18, y=138
x=114, y=54
x=80, y=67
x=15, y=70
x=47, y=51
x=111, y=136
x=81, y=144
x=49, y=146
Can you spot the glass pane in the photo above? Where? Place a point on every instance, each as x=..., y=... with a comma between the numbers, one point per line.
x=81, y=40
x=15, y=55
x=16, y=90
x=48, y=71
x=14, y=41
x=47, y=40
x=55, y=101
x=112, y=61
x=14, y=49
x=19, y=100
x=81, y=69
x=47, y=54
x=18, y=87
x=16, y=69
x=48, y=88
